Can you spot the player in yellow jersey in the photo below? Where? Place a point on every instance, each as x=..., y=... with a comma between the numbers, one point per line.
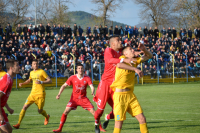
x=2, y=72
x=123, y=86
x=37, y=95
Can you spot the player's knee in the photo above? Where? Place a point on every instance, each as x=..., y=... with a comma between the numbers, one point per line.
x=98, y=113
x=40, y=111
x=25, y=107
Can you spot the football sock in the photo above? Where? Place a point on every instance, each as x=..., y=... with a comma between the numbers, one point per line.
x=44, y=113
x=62, y=121
x=21, y=116
x=143, y=128
x=110, y=116
x=117, y=130
x=98, y=113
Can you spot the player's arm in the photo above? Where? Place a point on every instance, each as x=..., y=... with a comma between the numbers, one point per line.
x=1, y=116
x=112, y=60
x=61, y=90
x=127, y=67
x=92, y=89
x=26, y=82
x=11, y=111
x=47, y=81
x=147, y=54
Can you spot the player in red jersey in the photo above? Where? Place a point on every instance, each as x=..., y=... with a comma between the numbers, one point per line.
x=78, y=97
x=6, y=82
x=104, y=94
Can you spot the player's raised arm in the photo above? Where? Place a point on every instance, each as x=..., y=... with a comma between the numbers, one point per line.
x=61, y=90
x=92, y=90
x=26, y=82
x=148, y=54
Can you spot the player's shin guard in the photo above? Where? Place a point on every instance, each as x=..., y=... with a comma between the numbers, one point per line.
x=44, y=113
x=62, y=121
x=21, y=116
x=98, y=113
x=117, y=130
x=143, y=128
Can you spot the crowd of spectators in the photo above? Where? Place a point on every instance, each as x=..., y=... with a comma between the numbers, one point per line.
x=41, y=42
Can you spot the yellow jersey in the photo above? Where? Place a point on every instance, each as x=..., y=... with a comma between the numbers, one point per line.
x=2, y=73
x=124, y=78
x=38, y=89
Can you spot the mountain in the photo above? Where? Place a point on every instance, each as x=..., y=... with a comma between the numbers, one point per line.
x=85, y=19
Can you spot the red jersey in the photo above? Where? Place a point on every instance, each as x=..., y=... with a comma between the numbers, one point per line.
x=79, y=85
x=111, y=58
x=6, y=83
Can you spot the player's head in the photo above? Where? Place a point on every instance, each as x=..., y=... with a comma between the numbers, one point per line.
x=129, y=52
x=80, y=69
x=13, y=66
x=35, y=64
x=115, y=42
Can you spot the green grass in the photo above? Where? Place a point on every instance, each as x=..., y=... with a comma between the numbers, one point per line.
x=168, y=109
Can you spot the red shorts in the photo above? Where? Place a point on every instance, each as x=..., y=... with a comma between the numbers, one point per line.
x=103, y=95
x=83, y=102
x=5, y=117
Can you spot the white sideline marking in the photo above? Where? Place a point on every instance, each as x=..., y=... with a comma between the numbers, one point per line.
x=126, y=118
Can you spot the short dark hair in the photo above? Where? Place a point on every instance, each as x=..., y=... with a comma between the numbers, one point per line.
x=35, y=60
x=124, y=49
x=10, y=63
x=79, y=64
x=113, y=36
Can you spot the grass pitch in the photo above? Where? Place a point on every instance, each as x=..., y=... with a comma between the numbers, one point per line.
x=168, y=109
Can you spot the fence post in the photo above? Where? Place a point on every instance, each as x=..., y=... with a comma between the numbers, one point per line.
x=16, y=74
x=186, y=67
x=158, y=72
x=173, y=64
x=141, y=70
x=55, y=67
x=91, y=66
x=99, y=72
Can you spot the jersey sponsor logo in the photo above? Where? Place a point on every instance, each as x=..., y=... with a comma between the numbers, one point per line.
x=80, y=87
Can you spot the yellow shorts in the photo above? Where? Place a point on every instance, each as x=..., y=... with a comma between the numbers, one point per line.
x=125, y=102
x=39, y=101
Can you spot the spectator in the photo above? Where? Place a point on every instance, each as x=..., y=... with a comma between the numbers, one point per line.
x=27, y=66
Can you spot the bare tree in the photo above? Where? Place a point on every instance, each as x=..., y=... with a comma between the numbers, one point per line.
x=106, y=8
x=44, y=11
x=158, y=12
x=189, y=11
x=20, y=9
x=3, y=10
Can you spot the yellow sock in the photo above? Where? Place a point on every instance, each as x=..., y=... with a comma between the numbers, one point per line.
x=44, y=113
x=143, y=128
x=117, y=130
x=21, y=116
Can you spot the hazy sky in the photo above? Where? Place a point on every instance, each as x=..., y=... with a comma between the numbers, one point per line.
x=128, y=14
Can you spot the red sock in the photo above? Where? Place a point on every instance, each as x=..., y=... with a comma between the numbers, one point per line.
x=97, y=115
x=62, y=121
x=110, y=115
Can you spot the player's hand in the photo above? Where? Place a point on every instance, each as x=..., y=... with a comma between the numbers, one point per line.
x=129, y=61
x=58, y=97
x=137, y=53
x=141, y=47
x=38, y=82
x=11, y=111
x=139, y=72
x=93, y=94
x=1, y=119
x=20, y=84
